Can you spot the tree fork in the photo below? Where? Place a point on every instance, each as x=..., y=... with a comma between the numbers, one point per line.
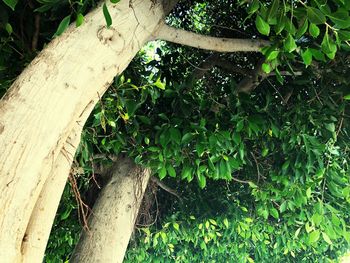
x=53, y=92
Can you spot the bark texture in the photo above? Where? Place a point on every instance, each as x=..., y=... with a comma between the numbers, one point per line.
x=42, y=107
x=113, y=215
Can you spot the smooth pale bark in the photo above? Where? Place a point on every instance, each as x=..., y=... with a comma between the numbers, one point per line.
x=41, y=109
x=187, y=38
x=43, y=215
x=113, y=215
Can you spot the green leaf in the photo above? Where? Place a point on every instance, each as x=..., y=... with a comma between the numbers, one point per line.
x=186, y=172
x=301, y=31
x=253, y=7
x=315, y=16
x=328, y=45
x=307, y=57
x=115, y=1
x=162, y=173
x=252, y=185
x=344, y=35
x=107, y=15
x=340, y=18
x=289, y=44
x=314, y=236
x=317, y=54
x=80, y=20
x=264, y=152
x=347, y=97
x=266, y=68
x=171, y=170
x=9, y=28
x=11, y=3
x=62, y=26
x=175, y=135
x=240, y=125
x=314, y=30
x=271, y=15
x=186, y=138
x=280, y=23
x=272, y=55
x=262, y=26
x=330, y=127
x=326, y=238
x=201, y=180
x=274, y=213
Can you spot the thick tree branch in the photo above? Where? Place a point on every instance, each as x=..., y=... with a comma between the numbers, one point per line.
x=187, y=38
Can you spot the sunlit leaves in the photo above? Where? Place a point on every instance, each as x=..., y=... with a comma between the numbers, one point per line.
x=63, y=26
x=80, y=19
x=262, y=26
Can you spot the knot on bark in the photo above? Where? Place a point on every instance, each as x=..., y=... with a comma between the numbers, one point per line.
x=110, y=36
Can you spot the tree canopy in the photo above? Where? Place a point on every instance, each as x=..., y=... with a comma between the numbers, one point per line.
x=256, y=145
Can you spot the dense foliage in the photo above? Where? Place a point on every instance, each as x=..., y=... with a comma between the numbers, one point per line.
x=273, y=164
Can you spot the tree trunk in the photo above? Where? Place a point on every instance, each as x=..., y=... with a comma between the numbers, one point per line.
x=113, y=215
x=44, y=104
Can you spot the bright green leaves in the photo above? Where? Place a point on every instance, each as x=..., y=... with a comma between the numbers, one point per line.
x=314, y=236
x=202, y=181
x=266, y=68
x=315, y=16
x=314, y=30
x=11, y=3
x=307, y=57
x=328, y=46
x=80, y=19
x=62, y=26
x=162, y=172
x=171, y=170
x=289, y=44
x=107, y=15
x=262, y=26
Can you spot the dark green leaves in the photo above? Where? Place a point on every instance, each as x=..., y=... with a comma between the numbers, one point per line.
x=11, y=3
x=262, y=26
x=115, y=1
x=341, y=18
x=62, y=26
x=315, y=16
x=107, y=15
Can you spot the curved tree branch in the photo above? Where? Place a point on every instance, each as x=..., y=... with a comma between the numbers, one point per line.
x=187, y=38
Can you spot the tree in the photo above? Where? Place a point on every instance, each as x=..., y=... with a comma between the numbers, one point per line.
x=24, y=182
